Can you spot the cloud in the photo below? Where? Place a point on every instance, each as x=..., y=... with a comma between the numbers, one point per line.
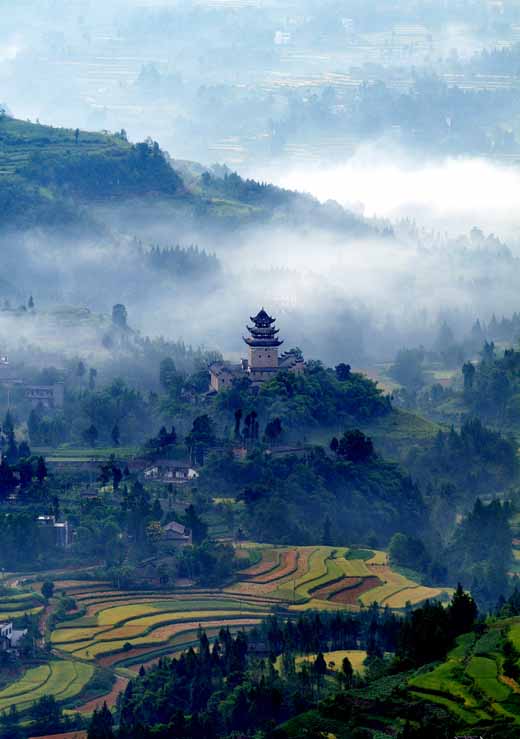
x=452, y=194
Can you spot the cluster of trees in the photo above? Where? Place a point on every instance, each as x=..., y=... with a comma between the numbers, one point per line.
x=492, y=388
x=477, y=552
x=115, y=172
x=232, y=688
x=183, y=261
x=473, y=461
x=320, y=396
x=288, y=499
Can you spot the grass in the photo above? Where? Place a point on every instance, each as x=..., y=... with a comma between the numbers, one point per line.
x=10, y=615
x=468, y=684
x=356, y=657
x=484, y=672
x=365, y=554
x=87, y=454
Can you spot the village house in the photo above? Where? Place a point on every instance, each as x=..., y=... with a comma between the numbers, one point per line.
x=176, y=534
x=48, y=396
x=263, y=360
x=170, y=472
x=9, y=637
x=57, y=533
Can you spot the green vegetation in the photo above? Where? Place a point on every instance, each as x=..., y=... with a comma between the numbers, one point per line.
x=63, y=680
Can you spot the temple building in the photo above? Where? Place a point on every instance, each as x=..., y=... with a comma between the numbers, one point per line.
x=264, y=359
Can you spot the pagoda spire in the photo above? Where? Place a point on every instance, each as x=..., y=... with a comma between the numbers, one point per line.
x=263, y=331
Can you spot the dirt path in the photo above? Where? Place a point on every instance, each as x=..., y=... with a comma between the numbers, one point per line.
x=515, y=687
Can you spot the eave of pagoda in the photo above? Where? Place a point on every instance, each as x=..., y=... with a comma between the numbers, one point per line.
x=262, y=342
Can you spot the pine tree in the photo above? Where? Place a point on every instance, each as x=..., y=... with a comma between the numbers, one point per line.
x=101, y=724
x=41, y=470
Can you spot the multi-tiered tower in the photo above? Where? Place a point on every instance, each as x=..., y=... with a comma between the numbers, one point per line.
x=263, y=361
x=263, y=346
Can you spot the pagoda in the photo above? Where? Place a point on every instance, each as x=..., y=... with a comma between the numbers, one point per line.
x=263, y=360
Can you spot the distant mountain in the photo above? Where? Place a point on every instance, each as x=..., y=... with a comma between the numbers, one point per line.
x=54, y=177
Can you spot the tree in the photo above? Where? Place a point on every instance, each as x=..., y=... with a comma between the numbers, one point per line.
x=238, y=420
x=117, y=476
x=468, y=371
x=7, y=478
x=90, y=435
x=327, y=535
x=34, y=424
x=48, y=589
x=201, y=435
x=168, y=374
x=343, y=372
x=101, y=724
x=157, y=511
x=334, y=445
x=116, y=437
x=8, y=425
x=462, y=611
x=80, y=372
x=273, y=430
x=92, y=377
x=348, y=672
x=406, y=551
x=407, y=368
x=30, y=304
x=199, y=530
x=119, y=316
x=356, y=447
x=46, y=715
x=319, y=665
x=24, y=451
x=41, y=470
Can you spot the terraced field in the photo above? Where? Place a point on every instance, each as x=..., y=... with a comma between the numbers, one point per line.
x=118, y=627
x=122, y=629
x=63, y=679
x=327, y=577
x=470, y=684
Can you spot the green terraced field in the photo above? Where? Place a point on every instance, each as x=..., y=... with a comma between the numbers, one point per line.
x=62, y=679
x=484, y=672
x=467, y=684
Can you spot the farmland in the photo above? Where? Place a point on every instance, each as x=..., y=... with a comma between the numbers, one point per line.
x=471, y=683
x=118, y=630
x=65, y=680
x=326, y=577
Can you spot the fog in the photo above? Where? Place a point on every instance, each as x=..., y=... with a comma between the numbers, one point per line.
x=452, y=195
x=310, y=110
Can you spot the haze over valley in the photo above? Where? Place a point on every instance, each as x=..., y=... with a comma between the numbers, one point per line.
x=259, y=369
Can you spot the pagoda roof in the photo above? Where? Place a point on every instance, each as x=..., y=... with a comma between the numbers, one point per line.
x=262, y=319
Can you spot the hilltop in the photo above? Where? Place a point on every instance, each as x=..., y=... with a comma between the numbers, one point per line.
x=59, y=177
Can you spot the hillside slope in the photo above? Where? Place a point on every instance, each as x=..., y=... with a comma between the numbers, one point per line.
x=53, y=176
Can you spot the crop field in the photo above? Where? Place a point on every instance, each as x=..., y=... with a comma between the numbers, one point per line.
x=470, y=684
x=62, y=679
x=327, y=578
x=113, y=627
x=122, y=629
x=335, y=659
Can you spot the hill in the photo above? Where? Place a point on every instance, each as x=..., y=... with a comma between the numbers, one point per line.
x=50, y=176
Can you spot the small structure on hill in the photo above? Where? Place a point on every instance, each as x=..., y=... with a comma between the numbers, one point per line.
x=10, y=637
x=263, y=360
x=48, y=396
x=56, y=533
x=177, y=534
x=170, y=473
